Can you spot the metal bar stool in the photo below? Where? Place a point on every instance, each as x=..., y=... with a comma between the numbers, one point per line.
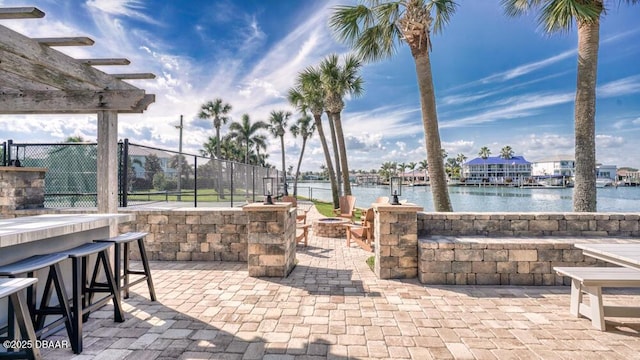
x=122, y=269
x=55, y=282
x=83, y=290
x=10, y=288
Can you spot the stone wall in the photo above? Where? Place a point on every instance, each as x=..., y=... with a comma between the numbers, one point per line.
x=529, y=224
x=192, y=234
x=467, y=260
x=513, y=248
x=21, y=188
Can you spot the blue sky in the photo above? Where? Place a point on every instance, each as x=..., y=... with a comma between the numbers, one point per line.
x=499, y=81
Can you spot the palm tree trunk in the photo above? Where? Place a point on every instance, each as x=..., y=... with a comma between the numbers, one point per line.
x=327, y=156
x=284, y=170
x=295, y=181
x=584, y=192
x=437, y=177
x=337, y=121
x=336, y=152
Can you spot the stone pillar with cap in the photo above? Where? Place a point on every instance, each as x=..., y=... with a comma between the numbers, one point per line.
x=396, y=240
x=271, y=231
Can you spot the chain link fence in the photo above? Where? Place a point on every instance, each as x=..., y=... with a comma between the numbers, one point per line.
x=145, y=175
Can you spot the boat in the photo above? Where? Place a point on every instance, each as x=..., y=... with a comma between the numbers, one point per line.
x=603, y=182
x=549, y=181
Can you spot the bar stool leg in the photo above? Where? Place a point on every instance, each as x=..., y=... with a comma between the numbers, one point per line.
x=125, y=276
x=24, y=324
x=76, y=341
x=147, y=269
x=118, y=313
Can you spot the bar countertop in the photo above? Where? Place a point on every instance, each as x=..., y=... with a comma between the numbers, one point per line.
x=27, y=229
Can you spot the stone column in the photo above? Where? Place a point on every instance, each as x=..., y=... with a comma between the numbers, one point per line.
x=21, y=188
x=271, y=232
x=396, y=237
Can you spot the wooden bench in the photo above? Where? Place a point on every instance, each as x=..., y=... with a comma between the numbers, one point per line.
x=591, y=280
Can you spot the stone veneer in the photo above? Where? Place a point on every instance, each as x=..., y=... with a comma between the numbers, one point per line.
x=21, y=188
x=396, y=241
x=271, y=239
x=513, y=248
x=466, y=260
x=198, y=234
x=529, y=224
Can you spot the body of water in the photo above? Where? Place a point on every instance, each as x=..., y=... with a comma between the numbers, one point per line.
x=489, y=198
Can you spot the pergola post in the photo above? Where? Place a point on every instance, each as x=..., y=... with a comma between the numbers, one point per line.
x=107, y=174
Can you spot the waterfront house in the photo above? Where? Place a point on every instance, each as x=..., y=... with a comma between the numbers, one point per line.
x=561, y=165
x=496, y=170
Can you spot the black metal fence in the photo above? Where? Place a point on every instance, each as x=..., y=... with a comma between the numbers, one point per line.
x=145, y=174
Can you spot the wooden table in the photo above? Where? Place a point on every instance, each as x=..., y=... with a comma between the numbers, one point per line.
x=627, y=255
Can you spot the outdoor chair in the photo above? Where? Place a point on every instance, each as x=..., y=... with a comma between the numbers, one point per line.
x=301, y=214
x=362, y=233
x=347, y=206
x=302, y=228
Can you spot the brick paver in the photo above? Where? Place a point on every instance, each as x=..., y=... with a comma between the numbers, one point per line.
x=332, y=306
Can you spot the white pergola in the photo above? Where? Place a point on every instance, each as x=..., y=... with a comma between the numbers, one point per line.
x=37, y=79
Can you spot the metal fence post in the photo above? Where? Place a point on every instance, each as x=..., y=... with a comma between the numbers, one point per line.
x=232, y=188
x=195, y=181
x=8, y=153
x=125, y=172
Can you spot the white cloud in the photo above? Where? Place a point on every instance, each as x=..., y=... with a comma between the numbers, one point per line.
x=609, y=141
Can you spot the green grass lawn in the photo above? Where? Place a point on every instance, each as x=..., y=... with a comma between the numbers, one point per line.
x=204, y=195
x=326, y=209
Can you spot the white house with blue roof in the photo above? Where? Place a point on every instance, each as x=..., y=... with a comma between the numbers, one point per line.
x=496, y=170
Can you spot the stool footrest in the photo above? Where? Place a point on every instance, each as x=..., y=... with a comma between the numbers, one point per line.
x=126, y=237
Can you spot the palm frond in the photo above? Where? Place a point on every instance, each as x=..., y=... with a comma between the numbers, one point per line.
x=515, y=8
x=558, y=15
x=444, y=9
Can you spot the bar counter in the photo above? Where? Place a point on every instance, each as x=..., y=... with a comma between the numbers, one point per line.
x=31, y=235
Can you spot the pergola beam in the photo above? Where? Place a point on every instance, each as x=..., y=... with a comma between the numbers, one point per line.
x=134, y=76
x=100, y=62
x=142, y=105
x=70, y=101
x=53, y=67
x=20, y=13
x=66, y=41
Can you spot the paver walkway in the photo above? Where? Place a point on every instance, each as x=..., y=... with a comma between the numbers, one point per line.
x=332, y=306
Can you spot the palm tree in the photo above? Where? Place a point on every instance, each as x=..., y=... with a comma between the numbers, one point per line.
x=305, y=128
x=461, y=158
x=506, y=152
x=278, y=127
x=402, y=167
x=374, y=32
x=423, y=165
x=216, y=110
x=386, y=170
x=260, y=142
x=337, y=82
x=484, y=154
x=412, y=166
x=556, y=15
x=309, y=95
x=245, y=133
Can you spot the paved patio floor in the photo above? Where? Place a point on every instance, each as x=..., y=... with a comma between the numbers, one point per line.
x=332, y=306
